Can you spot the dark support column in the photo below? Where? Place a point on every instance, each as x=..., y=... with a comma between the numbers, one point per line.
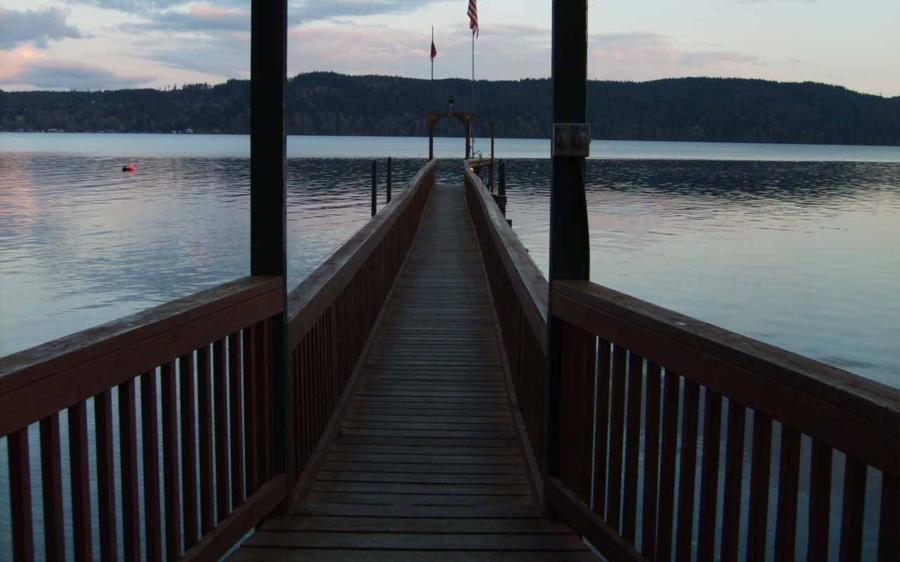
x=374, y=187
x=430, y=138
x=388, y=185
x=569, y=245
x=268, y=241
x=468, y=138
x=491, y=169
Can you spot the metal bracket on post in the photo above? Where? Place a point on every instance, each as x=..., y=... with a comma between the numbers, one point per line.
x=571, y=139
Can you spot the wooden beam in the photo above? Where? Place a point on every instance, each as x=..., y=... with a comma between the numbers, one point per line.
x=569, y=243
x=268, y=219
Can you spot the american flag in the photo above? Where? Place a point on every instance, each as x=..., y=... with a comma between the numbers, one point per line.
x=473, y=17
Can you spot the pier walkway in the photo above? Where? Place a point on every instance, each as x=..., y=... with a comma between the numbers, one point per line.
x=428, y=464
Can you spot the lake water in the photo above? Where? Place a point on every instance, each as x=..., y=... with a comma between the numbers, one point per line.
x=794, y=245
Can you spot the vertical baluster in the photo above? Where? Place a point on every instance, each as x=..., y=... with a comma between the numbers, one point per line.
x=734, y=474
x=51, y=478
x=633, y=444
x=188, y=453
x=616, y=436
x=601, y=429
x=237, y=421
x=889, y=525
x=264, y=401
x=205, y=430
x=819, y=501
x=651, y=462
x=788, y=478
x=667, y=466
x=220, y=390
x=709, y=476
x=170, y=463
x=80, y=482
x=131, y=519
x=251, y=431
x=853, y=510
x=685, y=523
x=20, y=496
x=106, y=491
x=576, y=397
x=150, y=454
x=759, y=487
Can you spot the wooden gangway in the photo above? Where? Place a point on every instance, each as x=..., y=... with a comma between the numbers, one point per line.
x=428, y=463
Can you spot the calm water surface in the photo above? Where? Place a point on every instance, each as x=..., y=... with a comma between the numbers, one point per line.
x=794, y=245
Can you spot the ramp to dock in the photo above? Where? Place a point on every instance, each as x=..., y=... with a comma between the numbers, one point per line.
x=428, y=464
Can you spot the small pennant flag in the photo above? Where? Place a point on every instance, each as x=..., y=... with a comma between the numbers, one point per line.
x=433, y=50
x=473, y=17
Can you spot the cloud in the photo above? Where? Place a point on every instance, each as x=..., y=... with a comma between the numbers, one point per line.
x=644, y=55
x=137, y=6
x=201, y=18
x=35, y=27
x=58, y=75
x=312, y=10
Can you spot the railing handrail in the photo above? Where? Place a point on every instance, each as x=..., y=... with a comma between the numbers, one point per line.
x=53, y=376
x=843, y=410
x=314, y=294
x=527, y=280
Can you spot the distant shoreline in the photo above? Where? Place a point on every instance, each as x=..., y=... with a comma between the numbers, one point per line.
x=137, y=146
x=324, y=103
x=536, y=139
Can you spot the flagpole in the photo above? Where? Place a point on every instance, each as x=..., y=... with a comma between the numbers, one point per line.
x=473, y=92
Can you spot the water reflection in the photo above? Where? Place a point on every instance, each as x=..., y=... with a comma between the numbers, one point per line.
x=82, y=243
x=803, y=255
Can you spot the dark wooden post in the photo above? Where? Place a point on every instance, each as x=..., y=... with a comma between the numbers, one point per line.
x=491, y=169
x=374, y=187
x=388, y=185
x=501, y=187
x=468, y=122
x=268, y=241
x=569, y=244
x=430, y=137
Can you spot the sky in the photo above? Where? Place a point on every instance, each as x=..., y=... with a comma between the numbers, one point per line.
x=111, y=44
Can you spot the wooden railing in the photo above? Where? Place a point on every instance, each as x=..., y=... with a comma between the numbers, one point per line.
x=192, y=378
x=519, y=292
x=331, y=314
x=195, y=371
x=657, y=410
x=673, y=434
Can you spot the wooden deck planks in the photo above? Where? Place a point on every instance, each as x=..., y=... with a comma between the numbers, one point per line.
x=428, y=464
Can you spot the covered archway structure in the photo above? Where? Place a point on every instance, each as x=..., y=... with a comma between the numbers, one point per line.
x=467, y=119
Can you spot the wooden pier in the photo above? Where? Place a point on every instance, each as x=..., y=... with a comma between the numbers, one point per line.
x=427, y=394
x=428, y=461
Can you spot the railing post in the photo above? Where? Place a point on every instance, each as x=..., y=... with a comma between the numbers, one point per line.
x=388, y=186
x=374, y=187
x=268, y=219
x=569, y=243
x=500, y=196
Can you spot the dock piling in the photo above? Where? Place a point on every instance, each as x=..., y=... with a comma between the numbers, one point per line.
x=374, y=187
x=388, y=187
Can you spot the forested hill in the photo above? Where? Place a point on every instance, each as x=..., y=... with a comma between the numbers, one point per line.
x=686, y=109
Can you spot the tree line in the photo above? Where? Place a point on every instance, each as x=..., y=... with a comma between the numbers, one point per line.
x=326, y=103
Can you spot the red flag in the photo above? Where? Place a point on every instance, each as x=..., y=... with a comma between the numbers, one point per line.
x=433, y=50
x=473, y=17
